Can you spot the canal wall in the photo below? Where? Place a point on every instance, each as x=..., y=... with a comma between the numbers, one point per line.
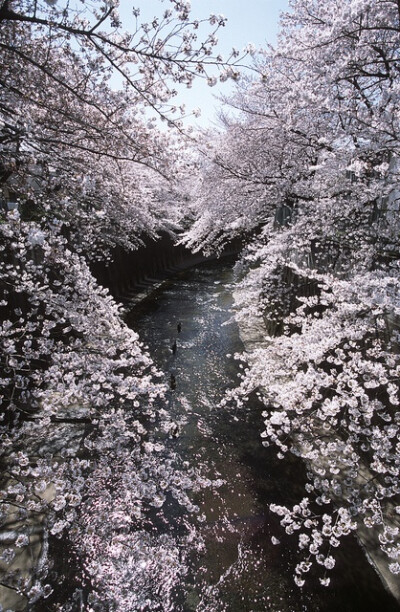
x=130, y=276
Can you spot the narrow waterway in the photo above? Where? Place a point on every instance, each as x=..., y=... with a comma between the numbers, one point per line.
x=247, y=562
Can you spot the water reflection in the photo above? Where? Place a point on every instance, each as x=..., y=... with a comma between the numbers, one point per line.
x=247, y=562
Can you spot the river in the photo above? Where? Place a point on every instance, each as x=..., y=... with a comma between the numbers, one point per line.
x=247, y=562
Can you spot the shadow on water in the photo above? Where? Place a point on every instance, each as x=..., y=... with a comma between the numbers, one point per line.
x=239, y=569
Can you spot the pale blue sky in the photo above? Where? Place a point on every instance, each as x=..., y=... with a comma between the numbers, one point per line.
x=249, y=21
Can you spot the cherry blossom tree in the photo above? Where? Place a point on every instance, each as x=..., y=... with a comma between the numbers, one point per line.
x=309, y=172
x=94, y=154
x=83, y=168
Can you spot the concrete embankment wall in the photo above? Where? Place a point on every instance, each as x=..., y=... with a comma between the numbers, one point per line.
x=131, y=273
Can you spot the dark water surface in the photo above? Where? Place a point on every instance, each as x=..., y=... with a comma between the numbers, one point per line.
x=240, y=570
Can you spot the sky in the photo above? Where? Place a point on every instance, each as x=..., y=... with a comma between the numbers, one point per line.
x=249, y=21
